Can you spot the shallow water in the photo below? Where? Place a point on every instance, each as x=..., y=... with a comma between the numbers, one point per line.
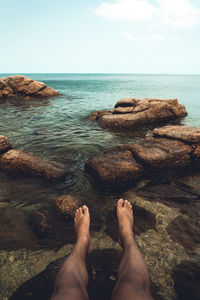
x=59, y=129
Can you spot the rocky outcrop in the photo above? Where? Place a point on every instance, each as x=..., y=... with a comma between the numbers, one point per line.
x=4, y=144
x=114, y=169
x=18, y=162
x=131, y=112
x=122, y=165
x=188, y=134
x=22, y=86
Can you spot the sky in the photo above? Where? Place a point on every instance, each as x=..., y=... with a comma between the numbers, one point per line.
x=100, y=36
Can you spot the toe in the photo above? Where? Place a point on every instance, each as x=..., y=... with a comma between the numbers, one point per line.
x=126, y=204
x=85, y=209
x=120, y=203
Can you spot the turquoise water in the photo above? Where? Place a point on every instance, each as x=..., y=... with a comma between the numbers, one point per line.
x=59, y=128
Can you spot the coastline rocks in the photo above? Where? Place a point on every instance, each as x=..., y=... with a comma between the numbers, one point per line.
x=133, y=112
x=188, y=134
x=22, y=86
x=18, y=162
x=114, y=169
x=4, y=144
x=122, y=165
x=159, y=153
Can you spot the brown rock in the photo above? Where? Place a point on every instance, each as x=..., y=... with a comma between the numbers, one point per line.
x=131, y=112
x=66, y=205
x=4, y=144
x=188, y=134
x=21, y=86
x=161, y=153
x=114, y=169
x=19, y=162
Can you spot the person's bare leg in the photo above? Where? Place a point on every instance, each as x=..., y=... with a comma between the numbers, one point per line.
x=133, y=279
x=72, y=278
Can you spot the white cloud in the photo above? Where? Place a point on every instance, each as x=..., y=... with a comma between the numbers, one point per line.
x=151, y=37
x=174, y=13
x=179, y=13
x=129, y=10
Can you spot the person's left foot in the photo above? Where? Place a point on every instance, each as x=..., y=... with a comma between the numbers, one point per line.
x=82, y=226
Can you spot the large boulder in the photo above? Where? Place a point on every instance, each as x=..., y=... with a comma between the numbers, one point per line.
x=4, y=144
x=22, y=86
x=131, y=112
x=114, y=169
x=158, y=153
x=18, y=162
x=188, y=134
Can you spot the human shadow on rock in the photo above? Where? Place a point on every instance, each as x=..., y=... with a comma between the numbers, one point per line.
x=102, y=269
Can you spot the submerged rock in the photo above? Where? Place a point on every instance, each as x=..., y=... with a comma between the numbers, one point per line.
x=185, y=233
x=114, y=169
x=143, y=221
x=188, y=134
x=133, y=112
x=4, y=144
x=18, y=162
x=22, y=86
x=186, y=277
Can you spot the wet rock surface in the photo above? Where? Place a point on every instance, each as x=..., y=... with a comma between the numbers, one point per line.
x=143, y=221
x=186, y=277
x=133, y=112
x=188, y=134
x=66, y=205
x=102, y=269
x=114, y=169
x=22, y=86
x=190, y=234
x=4, y=144
x=18, y=162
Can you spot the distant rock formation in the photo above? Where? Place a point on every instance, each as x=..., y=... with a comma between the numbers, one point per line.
x=123, y=165
x=131, y=112
x=18, y=162
x=22, y=86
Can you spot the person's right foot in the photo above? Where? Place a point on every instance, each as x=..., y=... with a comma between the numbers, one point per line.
x=125, y=220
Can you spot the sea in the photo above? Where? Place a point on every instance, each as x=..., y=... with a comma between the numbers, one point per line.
x=59, y=129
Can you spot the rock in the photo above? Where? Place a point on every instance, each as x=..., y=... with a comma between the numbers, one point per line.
x=114, y=169
x=4, y=144
x=21, y=86
x=158, y=153
x=143, y=221
x=66, y=205
x=102, y=267
x=173, y=193
x=185, y=233
x=18, y=162
x=186, y=277
x=131, y=112
x=188, y=134
x=51, y=228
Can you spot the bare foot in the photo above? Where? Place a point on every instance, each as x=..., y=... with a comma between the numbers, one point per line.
x=125, y=220
x=82, y=227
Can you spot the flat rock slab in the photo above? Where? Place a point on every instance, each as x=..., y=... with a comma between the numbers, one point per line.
x=188, y=134
x=159, y=153
x=18, y=162
x=4, y=144
x=22, y=86
x=132, y=112
x=114, y=169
